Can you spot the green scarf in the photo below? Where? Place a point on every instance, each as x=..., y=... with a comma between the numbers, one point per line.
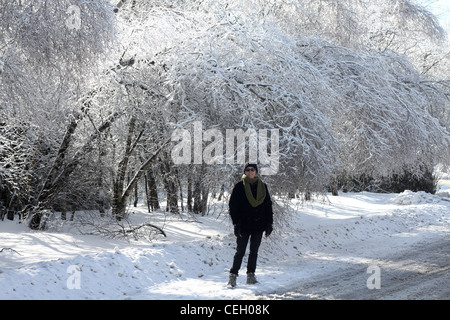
x=260, y=190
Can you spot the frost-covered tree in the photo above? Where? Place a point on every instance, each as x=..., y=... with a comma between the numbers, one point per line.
x=353, y=89
x=375, y=101
x=49, y=51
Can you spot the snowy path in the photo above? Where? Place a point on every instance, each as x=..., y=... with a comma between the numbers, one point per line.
x=421, y=271
x=323, y=247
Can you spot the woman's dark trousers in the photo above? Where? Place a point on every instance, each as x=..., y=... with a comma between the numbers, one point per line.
x=242, y=241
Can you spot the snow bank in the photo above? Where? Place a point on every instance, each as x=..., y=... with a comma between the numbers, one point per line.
x=194, y=260
x=444, y=189
x=409, y=197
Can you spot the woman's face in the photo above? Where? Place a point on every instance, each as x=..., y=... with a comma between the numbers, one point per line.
x=250, y=172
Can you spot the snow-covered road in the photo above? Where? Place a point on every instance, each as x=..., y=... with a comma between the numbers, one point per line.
x=421, y=271
x=319, y=250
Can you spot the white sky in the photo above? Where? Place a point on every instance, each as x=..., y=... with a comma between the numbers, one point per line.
x=440, y=8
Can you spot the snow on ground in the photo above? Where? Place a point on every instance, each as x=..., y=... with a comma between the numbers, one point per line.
x=193, y=261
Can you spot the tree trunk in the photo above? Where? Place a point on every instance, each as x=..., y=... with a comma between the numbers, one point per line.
x=204, y=199
x=197, y=196
x=189, y=193
x=119, y=203
x=181, y=191
x=119, y=208
x=170, y=184
x=10, y=211
x=147, y=193
x=64, y=205
x=136, y=196
x=153, y=191
x=172, y=197
x=120, y=198
x=334, y=187
x=307, y=195
x=58, y=163
x=222, y=191
x=35, y=221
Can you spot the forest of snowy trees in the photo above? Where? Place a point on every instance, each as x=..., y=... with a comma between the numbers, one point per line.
x=91, y=92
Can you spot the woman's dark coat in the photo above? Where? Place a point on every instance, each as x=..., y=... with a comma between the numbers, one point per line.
x=250, y=219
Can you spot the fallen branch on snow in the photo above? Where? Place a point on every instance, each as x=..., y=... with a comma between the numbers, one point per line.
x=11, y=249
